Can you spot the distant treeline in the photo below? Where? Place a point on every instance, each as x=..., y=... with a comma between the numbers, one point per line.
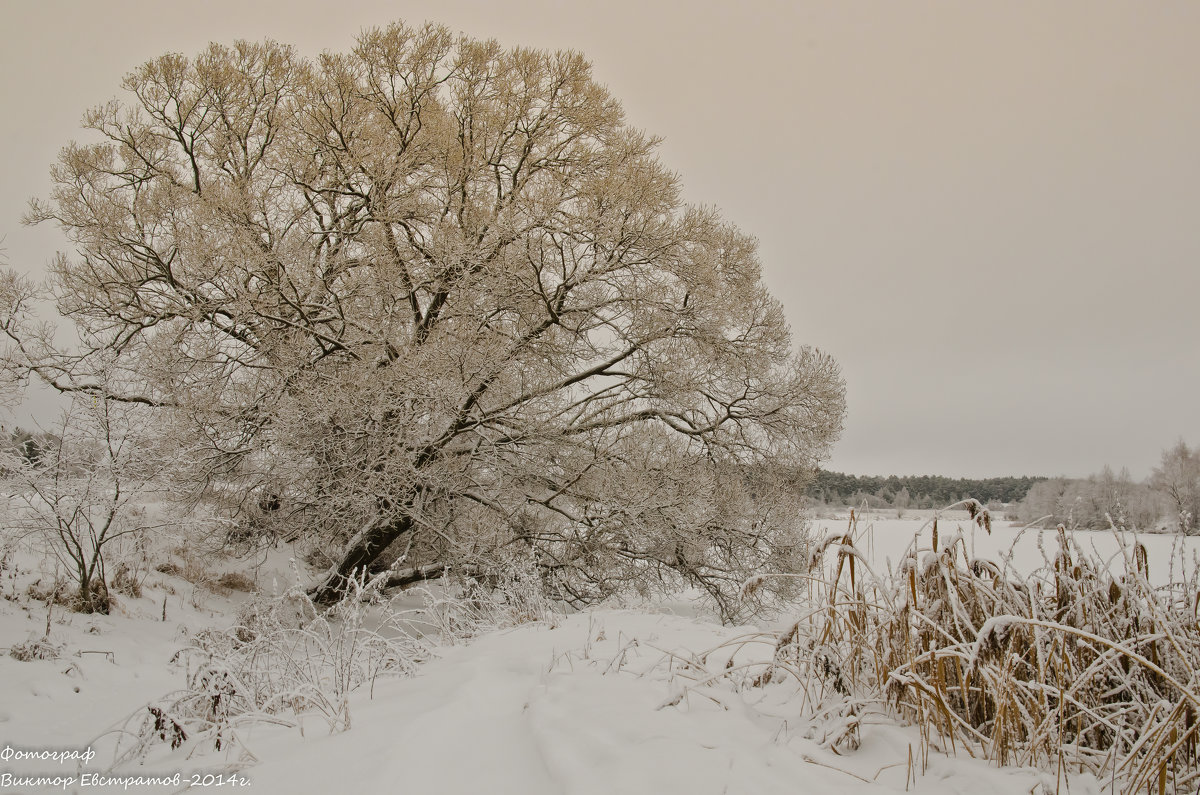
x=915, y=491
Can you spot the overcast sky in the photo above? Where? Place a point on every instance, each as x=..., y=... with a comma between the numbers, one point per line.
x=989, y=213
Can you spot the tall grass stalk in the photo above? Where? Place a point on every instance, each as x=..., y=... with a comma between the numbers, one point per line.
x=1072, y=664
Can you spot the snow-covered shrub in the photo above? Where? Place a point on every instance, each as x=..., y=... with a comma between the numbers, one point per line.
x=1095, y=502
x=286, y=658
x=467, y=606
x=169, y=568
x=56, y=591
x=127, y=580
x=192, y=567
x=7, y=552
x=235, y=581
x=35, y=649
x=283, y=659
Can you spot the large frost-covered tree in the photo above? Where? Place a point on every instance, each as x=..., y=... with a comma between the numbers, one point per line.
x=433, y=300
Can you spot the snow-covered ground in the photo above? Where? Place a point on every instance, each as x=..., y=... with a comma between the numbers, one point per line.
x=1171, y=557
x=608, y=701
x=540, y=709
x=534, y=709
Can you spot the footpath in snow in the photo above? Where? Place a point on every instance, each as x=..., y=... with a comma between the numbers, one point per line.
x=538, y=710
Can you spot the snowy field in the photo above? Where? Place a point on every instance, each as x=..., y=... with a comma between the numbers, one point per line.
x=885, y=540
x=609, y=701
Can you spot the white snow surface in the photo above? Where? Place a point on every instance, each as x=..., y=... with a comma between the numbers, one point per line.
x=538, y=709
x=597, y=702
x=534, y=709
x=884, y=541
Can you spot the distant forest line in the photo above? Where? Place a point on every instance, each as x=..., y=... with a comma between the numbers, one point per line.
x=1167, y=501
x=915, y=491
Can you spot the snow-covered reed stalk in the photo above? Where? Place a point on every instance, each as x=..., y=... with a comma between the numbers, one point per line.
x=1073, y=664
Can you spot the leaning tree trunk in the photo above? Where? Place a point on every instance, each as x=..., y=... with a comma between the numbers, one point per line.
x=360, y=553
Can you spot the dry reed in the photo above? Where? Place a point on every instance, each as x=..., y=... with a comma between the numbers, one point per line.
x=1071, y=666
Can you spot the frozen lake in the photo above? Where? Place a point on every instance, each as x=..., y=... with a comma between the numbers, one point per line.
x=1172, y=557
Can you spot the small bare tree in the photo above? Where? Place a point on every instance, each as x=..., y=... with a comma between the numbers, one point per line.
x=76, y=498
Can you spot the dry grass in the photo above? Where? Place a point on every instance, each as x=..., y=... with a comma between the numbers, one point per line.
x=235, y=581
x=57, y=591
x=189, y=565
x=35, y=649
x=282, y=660
x=1068, y=667
x=64, y=593
x=286, y=658
x=128, y=580
x=169, y=568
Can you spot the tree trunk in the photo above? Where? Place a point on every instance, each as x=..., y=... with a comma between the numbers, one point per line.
x=93, y=596
x=360, y=553
x=407, y=577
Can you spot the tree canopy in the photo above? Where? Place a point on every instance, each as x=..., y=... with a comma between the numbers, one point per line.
x=433, y=303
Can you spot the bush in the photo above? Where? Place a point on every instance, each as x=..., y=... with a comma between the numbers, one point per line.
x=35, y=649
x=96, y=600
x=285, y=658
x=235, y=581
x=281, y=660
x=1093, y=503
x=169, y=568
x=64, y=594
x=125, y=580
x=190, y=566
x=57, y=592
